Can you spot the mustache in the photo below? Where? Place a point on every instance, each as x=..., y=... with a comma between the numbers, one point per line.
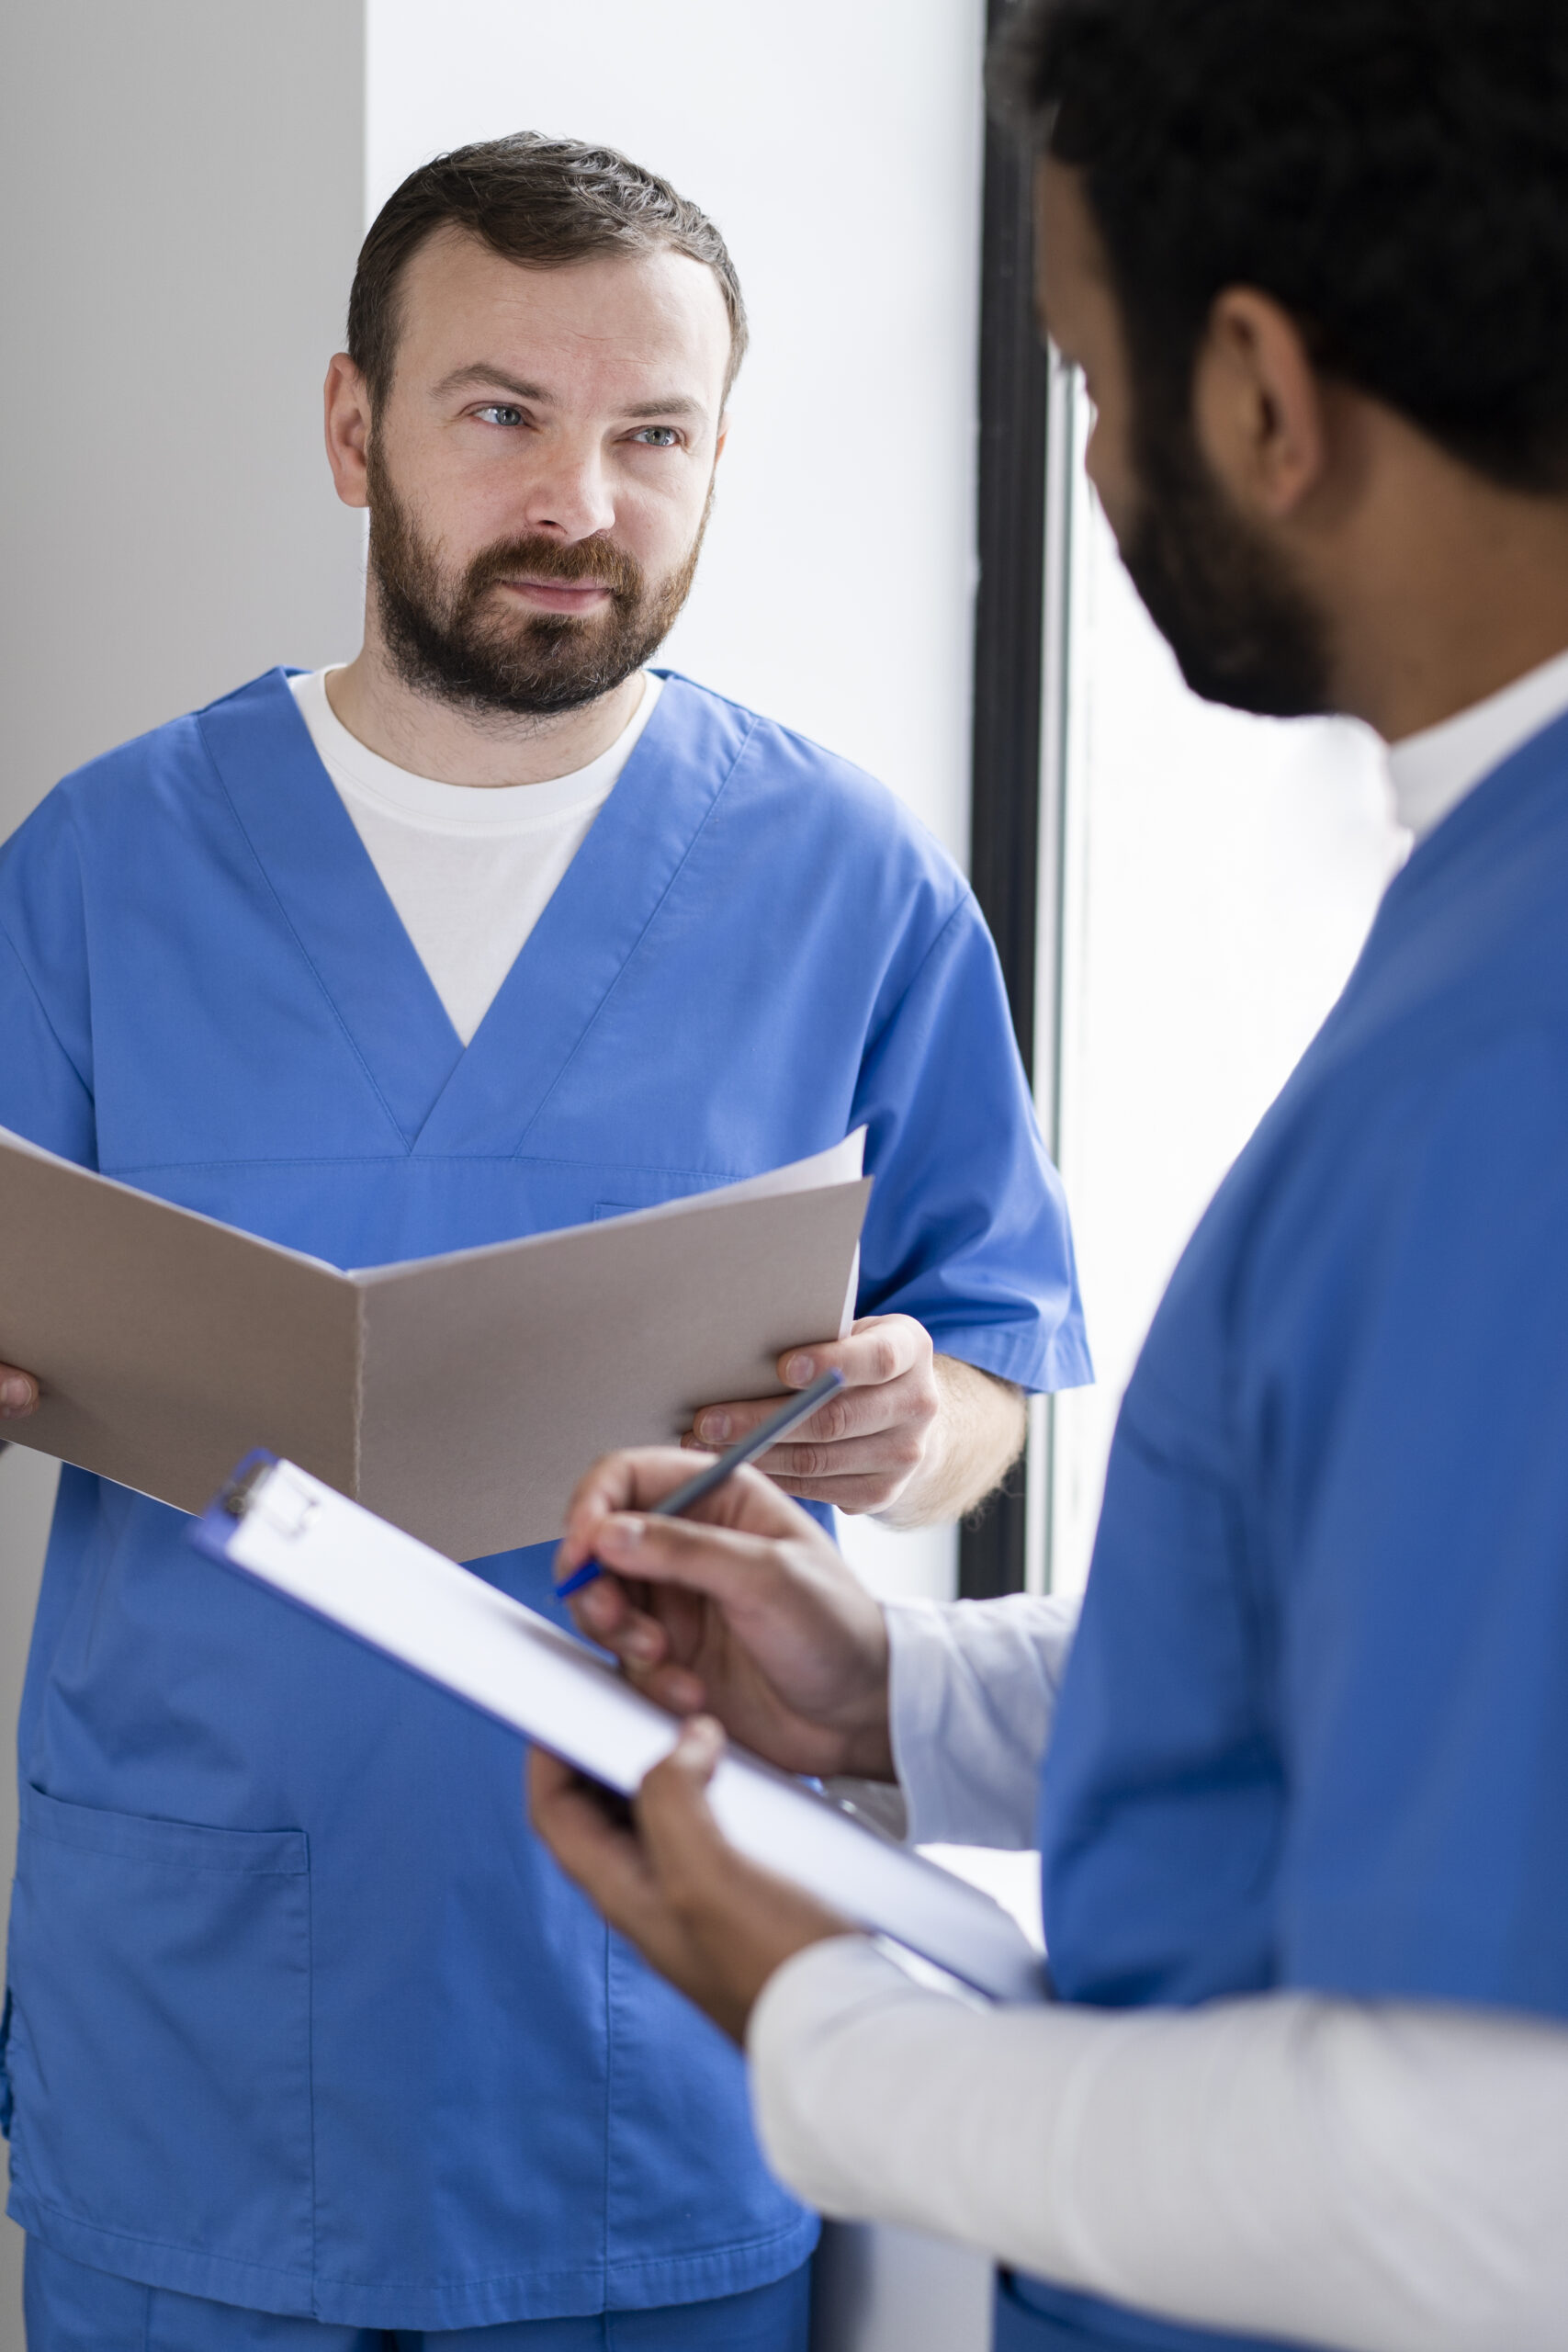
x=597, y=560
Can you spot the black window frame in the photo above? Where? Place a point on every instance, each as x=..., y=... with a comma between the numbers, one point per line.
x=1009, y=822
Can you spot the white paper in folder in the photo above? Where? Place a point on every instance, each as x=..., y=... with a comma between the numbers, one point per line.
x=280, y=1525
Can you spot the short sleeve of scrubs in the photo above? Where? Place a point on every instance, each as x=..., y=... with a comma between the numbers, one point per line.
x=967, y=1230
x=1424, y=1452
x=46, y=1061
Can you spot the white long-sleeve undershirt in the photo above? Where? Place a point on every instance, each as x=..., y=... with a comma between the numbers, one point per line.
x=1387, y=2177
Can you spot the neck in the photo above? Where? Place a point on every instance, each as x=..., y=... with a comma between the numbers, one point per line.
x=451, y=745
x=1444, y=587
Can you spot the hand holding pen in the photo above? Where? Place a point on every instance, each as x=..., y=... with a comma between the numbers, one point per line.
x=743, y=1607
x=790, y=1414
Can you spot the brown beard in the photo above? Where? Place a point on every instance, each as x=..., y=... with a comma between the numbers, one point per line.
x=455, y=643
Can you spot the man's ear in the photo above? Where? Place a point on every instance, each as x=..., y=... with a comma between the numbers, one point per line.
x=345, y=406
x=721, y=436
x=1257, y=405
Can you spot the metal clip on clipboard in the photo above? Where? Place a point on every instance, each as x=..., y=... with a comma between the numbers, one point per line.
x=276, y=1523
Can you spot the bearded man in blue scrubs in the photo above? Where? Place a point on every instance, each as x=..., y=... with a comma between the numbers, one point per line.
x=495, y=930
x=1305, y=1812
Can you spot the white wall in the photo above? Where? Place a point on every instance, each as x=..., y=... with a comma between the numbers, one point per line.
x=182, y=187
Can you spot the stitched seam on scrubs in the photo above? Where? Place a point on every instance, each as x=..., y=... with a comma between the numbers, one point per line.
x=126, y=1171
x=707, y=2252
x=630, y=958
x=66, y=1054
x=629, y=2263
x=966, y=900
x=609, y=2119
x=158, y=1861
x=326, y=995
x=311, y=2057
x=169, y=2245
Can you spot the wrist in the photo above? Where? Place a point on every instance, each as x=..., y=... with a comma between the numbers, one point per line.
x=865, y=1725
x=868, y=1755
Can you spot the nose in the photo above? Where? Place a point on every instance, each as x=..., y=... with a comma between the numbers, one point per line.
x=568, y=495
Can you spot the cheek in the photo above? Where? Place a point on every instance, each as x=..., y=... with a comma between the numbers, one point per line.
x=658, y=516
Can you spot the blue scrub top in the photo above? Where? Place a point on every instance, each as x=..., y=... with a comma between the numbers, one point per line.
x=1314, y=1730
x=300, y=2016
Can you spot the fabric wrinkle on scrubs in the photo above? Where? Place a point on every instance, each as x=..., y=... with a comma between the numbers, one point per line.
x=302, y=2018
x=1314, y=1731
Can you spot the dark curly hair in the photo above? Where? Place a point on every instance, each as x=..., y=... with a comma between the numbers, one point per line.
x=1393, y=172
x=545, y=202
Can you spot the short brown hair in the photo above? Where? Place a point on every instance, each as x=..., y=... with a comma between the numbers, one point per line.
x=543, y=202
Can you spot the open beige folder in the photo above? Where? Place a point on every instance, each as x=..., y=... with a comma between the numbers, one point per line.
x=458, y=1396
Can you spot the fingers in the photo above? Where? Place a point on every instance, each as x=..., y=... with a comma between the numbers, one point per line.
x=885, y=1363
x=879, y=1347
x=628, y=1483
x=893, y=1454
x=671, y=1806
x=723, y=1563
x=711, y=1921
x=642, y=1643
x=635, y=1875
x=571, y=1816
x=632, y=1480
x=18, y=1393
x=682, y=1842
x=854, y=1412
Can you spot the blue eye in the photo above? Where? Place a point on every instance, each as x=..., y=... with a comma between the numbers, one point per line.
x=498, y=414
x=658, y=437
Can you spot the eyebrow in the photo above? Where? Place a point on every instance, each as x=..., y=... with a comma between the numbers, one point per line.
x=479, y=373
x=479, y=376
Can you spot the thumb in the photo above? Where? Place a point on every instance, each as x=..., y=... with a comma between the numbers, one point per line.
x=671, y=1807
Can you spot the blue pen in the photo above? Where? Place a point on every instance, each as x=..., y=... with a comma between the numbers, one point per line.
x=789, y=1415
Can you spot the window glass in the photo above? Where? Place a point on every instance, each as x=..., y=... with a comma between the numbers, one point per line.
x=1218, y=875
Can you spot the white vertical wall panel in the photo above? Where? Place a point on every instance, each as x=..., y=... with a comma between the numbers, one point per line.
x=182, y=191
x=181, y=186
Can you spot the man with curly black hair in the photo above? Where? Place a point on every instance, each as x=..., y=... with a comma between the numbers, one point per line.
x=1303, y=1831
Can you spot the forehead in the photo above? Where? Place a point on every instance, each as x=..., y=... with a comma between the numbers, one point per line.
x=605, y=325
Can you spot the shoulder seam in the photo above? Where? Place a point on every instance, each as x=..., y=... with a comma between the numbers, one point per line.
x=47, y=1019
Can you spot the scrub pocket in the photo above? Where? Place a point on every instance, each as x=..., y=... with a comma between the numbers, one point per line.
x=160, y=2043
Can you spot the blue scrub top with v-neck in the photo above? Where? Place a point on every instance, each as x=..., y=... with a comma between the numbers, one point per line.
x=1313, y=1734
x=300, y=2016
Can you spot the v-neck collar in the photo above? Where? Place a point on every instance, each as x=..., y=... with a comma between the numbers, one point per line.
x=572, y=959
x=438, y=1099
x=332, y=896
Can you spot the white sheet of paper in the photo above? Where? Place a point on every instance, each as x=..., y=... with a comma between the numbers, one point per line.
x=340, y=1562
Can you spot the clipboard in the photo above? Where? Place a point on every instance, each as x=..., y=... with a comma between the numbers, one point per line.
x=276, y=1524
